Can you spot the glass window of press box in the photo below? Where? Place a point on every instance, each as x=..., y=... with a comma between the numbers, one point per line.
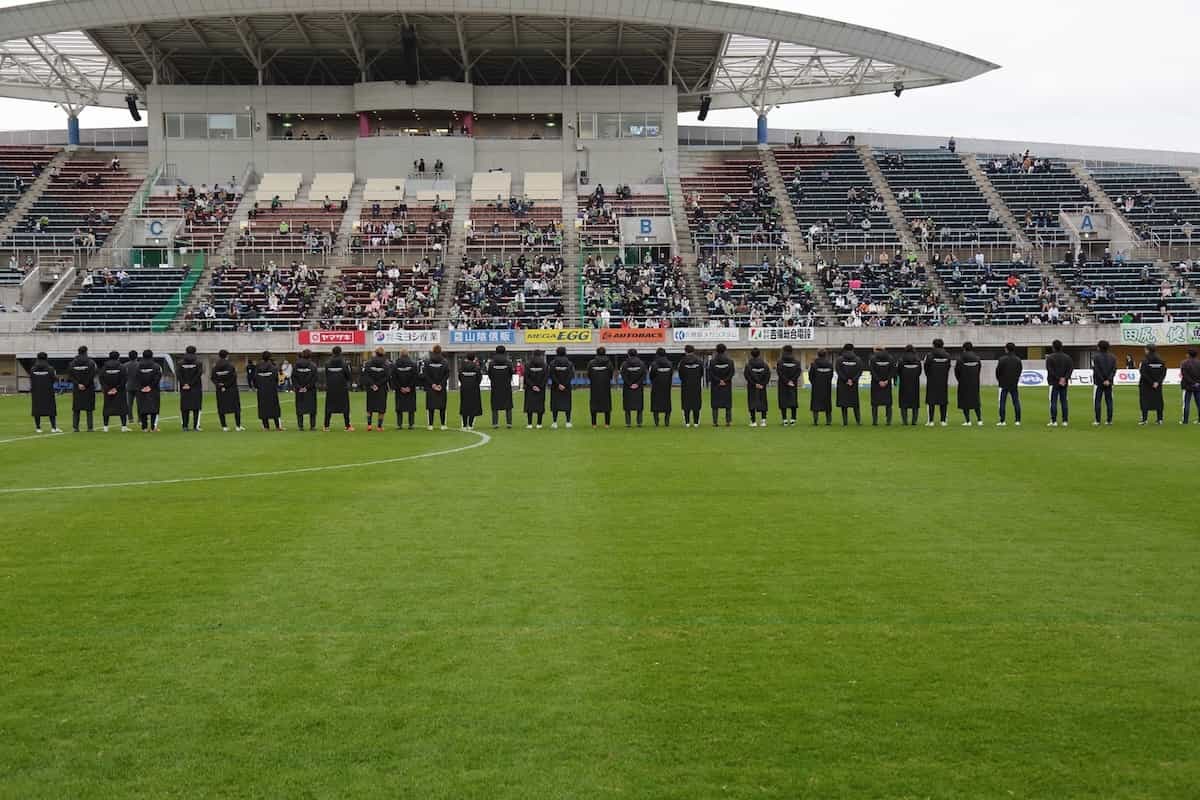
x=620, y=125
x=207, y=126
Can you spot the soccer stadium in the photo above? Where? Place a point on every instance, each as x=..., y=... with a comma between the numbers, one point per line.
x=430, y=400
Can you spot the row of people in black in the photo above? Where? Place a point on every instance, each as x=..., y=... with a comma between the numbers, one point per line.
x=130, y=384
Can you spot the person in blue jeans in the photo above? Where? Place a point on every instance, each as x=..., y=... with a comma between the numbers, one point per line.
x=1008, y=378
x=1059, y=367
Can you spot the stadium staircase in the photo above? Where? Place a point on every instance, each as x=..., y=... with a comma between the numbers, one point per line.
x=115, y=251
x=32, y=192
x=1192, y=178
x=690, y=160
x=996, y=202
x=452, y=254
x=1102, y=201
x=890, y=204
x=570, y=254
x=354, y=204
x=1074, y=304
x=787, y=214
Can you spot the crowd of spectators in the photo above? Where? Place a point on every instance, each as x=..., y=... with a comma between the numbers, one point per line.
x=648, y=295
x=106, y=280
x=752, y=218
x=1016, y=163
x=892, y=292
x=523, y=291
x=251, y=298
x=770, y=293
x=389, y=297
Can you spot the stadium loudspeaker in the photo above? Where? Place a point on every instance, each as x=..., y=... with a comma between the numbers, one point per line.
x=131, y=101
x=705, y=102
x=408, y=42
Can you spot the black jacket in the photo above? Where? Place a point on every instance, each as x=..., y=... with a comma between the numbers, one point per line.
x=967, y=371
x=600, y=373
x=1008, y=371
x=849, y=369
x=1058, y=366
x=820, y=375
x=1189, y=374
x=225, y=381
x=937, y=377
x=83, y=373
x=1104, y=368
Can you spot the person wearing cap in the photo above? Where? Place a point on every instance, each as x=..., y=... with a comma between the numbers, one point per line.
x=304, y=385
x=112, y=386
x=883, y=374
x=435, y=376
x=849, y=369
x=1189, y=382
x=149, y=396
x=1150, y=385
x=562, y=373
x=691, y=386
x=1059, y=367
x=229, y=401
x=405, y=377
x=266, y=376
x=41, y=393
x=967, y=371
x=600, y=375
x=820, y=378
x=537, y=373
x=1008, y=378
x=937, y=382
x=1104, y=374
x=500, y=373
x=721, y=370
x=375, y=376
x=191, y=391
x=757, y=373
x=338, y=378
x=83, y=388
x=662, y=378
x=790, y=375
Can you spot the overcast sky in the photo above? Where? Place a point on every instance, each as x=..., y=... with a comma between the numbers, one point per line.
x=1098, y=72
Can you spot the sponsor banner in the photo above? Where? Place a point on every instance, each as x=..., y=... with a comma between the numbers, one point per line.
x=1083, y=377
x=564, y=336
x=1163, y=333
x=782, y=334
x=406, y=337
x=633, y=335
x=330, y=338
x=686, y=335
x=483, y=337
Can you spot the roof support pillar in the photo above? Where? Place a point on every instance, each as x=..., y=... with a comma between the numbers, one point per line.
x=72, y=128
x=762, y=129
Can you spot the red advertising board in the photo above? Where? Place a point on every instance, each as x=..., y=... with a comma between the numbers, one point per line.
x=633, y=335
x=330, y=338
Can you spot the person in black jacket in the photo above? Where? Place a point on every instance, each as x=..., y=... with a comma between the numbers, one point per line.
x=1189, y=381
x=537, y=375
x=790, y=375
x=967, y=372
x=633, y=385
x=662, y=378
x=470, y=395
x=338, y=378
x=112, y=387
x=500, y=373
x=908, y=375
x=405, y=377
x=435, y=375
x=691, y=386
x=149, y=391
x=1104, y=372
x=849, y=369
x=1008, y=378
x=375, y=376
x=266, y=375
x=83, y=388
x=937, y=382
x=720, y=385
x=191, y=391
x=1059, y=367
x=229, y=400
x=562, y=374
x=820, y=377
x=600, y=374
x=757, y=374
x=1150, y=385
x=41, y=393
x=883, y=373
x=251, y=382
x=131, y=382
x=304, y=384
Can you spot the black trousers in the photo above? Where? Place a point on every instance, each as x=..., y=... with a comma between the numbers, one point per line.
x=400, y=418
x=37, y=421
x=237, y=418
x=728, y=415
x=345, y=418
x=942, y=407
x=607, y=417
x=75, y=418
x=875, y=414
x=496, y=417
x=312, y=420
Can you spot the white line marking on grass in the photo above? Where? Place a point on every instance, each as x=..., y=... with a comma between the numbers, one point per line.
x=483, y=439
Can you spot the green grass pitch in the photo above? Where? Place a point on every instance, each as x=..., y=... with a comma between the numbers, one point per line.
x=778, y=613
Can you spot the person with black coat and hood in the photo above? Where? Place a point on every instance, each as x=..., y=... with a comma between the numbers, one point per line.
x=691, y=386
x=500, y=374
x=849, y=369
x=937, y=382
x=721, y=370
x=470, y=393
x=1150, y=385
x=1059, y=367
x=1104, y=374
x=405, y=378
x=266, y=375
x=131, y=382
x=338, y=378
x=191, y=390
x=1189, y=382
x=600, y=375
x=820, y=378
x=537, y=374
x=435, y=375
x=562, y=373
x=304, y=385
x=149, y=391
x=967, y=371
x=790, y=375
x=757, y=374
x=229, y=400
x=1008, y=378
x=83, y=388
x=375, y=376
x=41, y=393
x=633, y=386
x=908, y=376
x=662, y=378
x=112, y=387
x=883, y=373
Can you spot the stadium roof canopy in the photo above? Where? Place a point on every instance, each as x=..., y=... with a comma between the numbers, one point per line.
x=93, y=52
